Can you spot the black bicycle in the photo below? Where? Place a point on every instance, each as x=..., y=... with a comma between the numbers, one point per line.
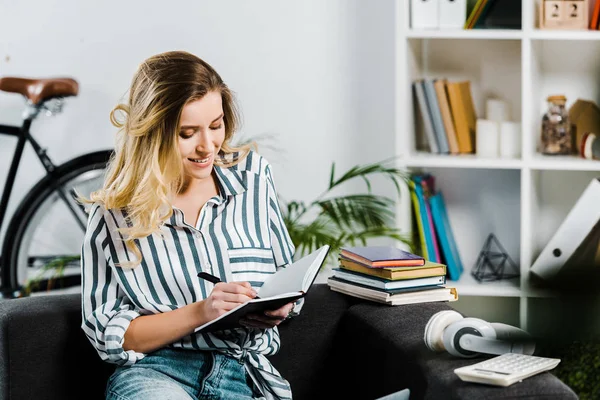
x=44, y=236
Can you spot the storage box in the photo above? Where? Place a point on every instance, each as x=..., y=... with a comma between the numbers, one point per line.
x=564, y=14
x=424, y=14
x=452, y=14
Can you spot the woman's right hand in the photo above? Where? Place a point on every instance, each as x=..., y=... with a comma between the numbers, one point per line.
x=226, y=296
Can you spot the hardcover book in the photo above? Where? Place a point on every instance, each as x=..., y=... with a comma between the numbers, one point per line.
x=381, y=256
x=386, y=284
x=394, y=274
x=408, y=296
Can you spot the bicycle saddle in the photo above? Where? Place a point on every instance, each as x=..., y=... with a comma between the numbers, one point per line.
x=38, y=90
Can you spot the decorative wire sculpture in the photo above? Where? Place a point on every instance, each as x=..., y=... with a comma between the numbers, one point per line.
x=491, y=264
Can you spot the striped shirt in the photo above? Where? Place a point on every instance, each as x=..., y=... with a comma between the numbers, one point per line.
x=239, y=236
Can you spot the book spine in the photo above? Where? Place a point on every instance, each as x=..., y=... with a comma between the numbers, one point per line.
x=442, y=95
x=454, y=265
x=436, y=116
x=426, y=116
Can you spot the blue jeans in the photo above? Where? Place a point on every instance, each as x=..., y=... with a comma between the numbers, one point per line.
x=173, y=374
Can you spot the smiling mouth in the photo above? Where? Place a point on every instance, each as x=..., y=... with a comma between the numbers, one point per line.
x=200, y=160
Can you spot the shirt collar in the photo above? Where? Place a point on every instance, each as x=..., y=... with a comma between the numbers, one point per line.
x=231, y=181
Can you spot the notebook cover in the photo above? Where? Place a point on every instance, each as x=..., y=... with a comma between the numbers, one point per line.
x=381, y=256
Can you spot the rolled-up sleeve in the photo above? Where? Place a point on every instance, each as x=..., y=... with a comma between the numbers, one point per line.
x=106, y=311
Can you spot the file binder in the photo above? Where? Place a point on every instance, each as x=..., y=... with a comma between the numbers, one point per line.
x=572, y=232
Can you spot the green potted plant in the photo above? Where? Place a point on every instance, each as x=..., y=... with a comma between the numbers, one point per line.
x=347, y=220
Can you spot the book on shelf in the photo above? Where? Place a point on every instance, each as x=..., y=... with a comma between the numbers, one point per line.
x=595, y=14
x=499, y=14
x=425, y=114
x=432, y=253
x=474, y=13
x=419, y=236
x=381, y=256
x=463, y=113
x=442, y=97
x=380, y=283
x=426, y=294
x=428, y=183
x=445, y=234
x=436, y=116
x=437, y=238
x=286, y=285
x=393, y=274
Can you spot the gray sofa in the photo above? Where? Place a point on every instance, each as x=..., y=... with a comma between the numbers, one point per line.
x=338, y=348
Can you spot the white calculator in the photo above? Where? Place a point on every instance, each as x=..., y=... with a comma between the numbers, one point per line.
x=506, y=369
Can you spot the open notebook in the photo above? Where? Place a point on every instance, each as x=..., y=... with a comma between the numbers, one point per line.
x=286, y=285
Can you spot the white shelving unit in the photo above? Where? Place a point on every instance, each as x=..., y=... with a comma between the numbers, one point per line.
x=522, y=201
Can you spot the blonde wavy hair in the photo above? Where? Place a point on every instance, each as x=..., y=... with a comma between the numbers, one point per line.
x=146, y=171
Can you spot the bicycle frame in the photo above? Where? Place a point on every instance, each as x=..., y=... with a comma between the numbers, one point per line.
x=23, y=134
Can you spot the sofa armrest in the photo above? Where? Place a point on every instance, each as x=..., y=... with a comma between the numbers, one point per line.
x=385, y=345
x=44, y=352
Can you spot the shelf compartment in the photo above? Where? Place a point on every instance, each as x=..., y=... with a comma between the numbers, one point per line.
x=554, y=195
x=493, y=68
x=562, y=67
x=480, y=202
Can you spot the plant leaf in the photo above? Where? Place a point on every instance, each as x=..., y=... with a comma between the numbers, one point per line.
x=332, y=175
x=359, y=210
x=364, y=171
x=309, y=237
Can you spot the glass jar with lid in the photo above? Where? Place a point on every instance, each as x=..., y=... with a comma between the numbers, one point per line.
x=556, y=127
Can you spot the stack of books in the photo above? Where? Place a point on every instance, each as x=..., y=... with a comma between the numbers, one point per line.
x=390, y=275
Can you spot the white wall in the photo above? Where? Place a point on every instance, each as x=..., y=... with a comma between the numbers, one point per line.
x=317, y=75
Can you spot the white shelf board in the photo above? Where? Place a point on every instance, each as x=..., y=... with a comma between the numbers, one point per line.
x=467, y=285
x=543, y=34
x=422, y=159
x=491, y=34
x=563, y=163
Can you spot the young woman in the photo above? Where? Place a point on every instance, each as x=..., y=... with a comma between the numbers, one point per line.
x=179, y=198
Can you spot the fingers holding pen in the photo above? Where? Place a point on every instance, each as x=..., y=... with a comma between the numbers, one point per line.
x=226, y=296
x=234, y=292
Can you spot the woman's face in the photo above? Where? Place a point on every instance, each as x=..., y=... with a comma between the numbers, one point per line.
x=201, y=134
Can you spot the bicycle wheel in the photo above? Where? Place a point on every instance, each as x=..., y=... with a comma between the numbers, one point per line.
x=42, y=246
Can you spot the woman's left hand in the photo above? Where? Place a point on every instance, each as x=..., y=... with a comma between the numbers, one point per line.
x=269, y=319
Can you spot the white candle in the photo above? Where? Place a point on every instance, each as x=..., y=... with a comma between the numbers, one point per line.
x=496, y=110
x=510, y=139
x=488, y=133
